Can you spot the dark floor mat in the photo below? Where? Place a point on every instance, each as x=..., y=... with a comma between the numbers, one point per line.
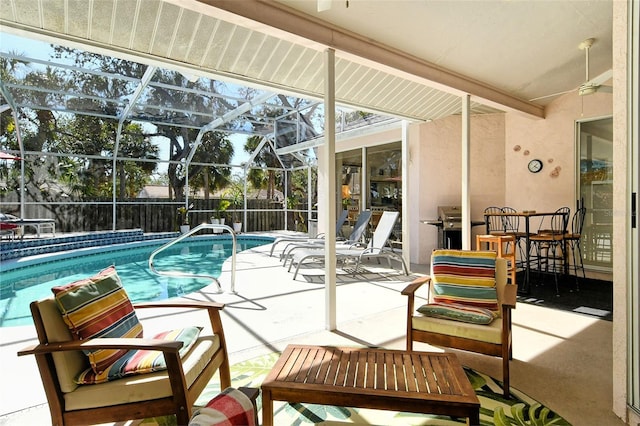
x=593, y=297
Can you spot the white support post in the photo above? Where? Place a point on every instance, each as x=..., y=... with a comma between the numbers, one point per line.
x=406, y=235
x=329, y=171
x=465, y=202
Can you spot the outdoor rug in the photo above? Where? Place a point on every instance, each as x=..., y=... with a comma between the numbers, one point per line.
x=495, y=410
x=594, y=297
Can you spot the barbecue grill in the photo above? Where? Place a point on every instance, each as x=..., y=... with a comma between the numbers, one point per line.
x=449, y=225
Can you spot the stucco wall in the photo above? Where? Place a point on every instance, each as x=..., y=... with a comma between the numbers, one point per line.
x=436, y=151
x=551, y=140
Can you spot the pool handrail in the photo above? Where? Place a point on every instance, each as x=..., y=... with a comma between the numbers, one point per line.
x=186, y=274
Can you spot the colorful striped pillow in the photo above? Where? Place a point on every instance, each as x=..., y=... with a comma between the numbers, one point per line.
x=465, y=277
x=141, y=361
x=98, y=307
x=457, y=312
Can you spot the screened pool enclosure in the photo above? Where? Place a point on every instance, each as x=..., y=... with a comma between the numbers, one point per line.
x=107, y=143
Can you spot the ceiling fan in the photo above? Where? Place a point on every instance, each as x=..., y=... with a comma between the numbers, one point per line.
x=328, y=4
x=589, y=87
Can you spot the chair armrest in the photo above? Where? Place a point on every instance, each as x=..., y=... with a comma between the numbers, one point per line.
x=165, y=346
x=510, y=296
x=415, y=284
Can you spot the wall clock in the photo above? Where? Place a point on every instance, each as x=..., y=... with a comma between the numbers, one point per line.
x=535, y=166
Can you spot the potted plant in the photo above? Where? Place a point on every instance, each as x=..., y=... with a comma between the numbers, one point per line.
x=236, y=198
x=183, y=219
x=218, y=219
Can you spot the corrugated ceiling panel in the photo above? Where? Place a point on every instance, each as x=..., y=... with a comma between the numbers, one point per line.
x=102, y=21
x=168, y=31
x=164, y=32
x=185, y=30
x=217, y=44
x=235, y=48
x=77, y=18
x=53, y=16
x=124, y=17
x=28, y=13
x=141, y=38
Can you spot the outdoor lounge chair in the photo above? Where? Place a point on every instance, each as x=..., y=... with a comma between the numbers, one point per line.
x=464, y=310
x=376, y=248
x=355, y=237
x=113, y=392
x=339, y=223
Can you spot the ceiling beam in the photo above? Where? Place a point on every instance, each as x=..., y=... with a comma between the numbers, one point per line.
x=281, y=21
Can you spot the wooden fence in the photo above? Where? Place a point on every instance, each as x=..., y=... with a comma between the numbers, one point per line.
x=158, y=215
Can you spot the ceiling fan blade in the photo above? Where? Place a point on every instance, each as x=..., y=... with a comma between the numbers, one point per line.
x=602, y=78
x=324, y=5
x=605, y=89
x=552, y=95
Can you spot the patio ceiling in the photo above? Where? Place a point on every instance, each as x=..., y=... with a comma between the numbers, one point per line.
x=407, y=59
x=195, y=39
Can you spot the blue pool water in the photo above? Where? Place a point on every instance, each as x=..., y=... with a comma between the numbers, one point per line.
x=20, y=286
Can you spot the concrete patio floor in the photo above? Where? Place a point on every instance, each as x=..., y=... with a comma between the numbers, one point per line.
x=561, y=359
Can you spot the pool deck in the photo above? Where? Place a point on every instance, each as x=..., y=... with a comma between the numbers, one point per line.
x=552, y=351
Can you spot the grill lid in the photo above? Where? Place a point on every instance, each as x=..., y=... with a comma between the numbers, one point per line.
x=450, y=213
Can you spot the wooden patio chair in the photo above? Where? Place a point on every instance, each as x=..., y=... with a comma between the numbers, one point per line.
x=480, y=324
x=62, y=359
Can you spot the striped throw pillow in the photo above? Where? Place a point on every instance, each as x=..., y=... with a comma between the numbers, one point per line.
x=141, y=361
x=457, y=312
x=98, y=307
x=465, y=277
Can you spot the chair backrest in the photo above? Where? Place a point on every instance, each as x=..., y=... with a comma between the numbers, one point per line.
x=501, y=268
x=559, y=222
x=577, y=222
x=496, y=224
x=361, y=225
x=383, y=230
x=340, y=222
x=510, y=223
x=51, y=328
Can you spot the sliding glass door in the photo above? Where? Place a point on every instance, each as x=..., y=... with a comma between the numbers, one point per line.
x=595, y=147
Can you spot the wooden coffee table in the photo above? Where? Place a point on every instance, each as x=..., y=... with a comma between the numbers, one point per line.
x=418, y=382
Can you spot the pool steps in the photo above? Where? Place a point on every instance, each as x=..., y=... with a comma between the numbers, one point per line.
x=15, y=249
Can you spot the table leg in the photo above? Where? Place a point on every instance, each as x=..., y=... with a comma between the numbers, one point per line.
x=527, y=266
x=267, y=408
x=474, y=419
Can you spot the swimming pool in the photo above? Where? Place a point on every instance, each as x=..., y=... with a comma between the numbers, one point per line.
x=199, y=255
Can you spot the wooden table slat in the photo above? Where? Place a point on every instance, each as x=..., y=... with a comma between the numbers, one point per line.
x=304, y=366
x=343, y=369
x=288, y=365
x=316, y=363
x=324, y=367
x=371, y=370
x=401, y=383
x=422, y=378
x=380, y=375
x=362, y=369
x=333, y=367
x=443, y=382
x=390, y=382
x=353, y=370
x=409, y=373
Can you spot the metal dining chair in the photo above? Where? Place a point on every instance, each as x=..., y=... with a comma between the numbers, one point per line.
x=495, y=223
x=549, y=245
x=572, y=239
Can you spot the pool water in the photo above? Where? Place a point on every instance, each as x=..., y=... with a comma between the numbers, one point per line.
x=20, y=286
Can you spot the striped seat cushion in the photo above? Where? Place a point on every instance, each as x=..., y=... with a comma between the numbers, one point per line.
x=141, y=361
x=98, y=307
x=465, y=278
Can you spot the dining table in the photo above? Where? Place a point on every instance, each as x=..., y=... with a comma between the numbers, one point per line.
x=525, y=288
